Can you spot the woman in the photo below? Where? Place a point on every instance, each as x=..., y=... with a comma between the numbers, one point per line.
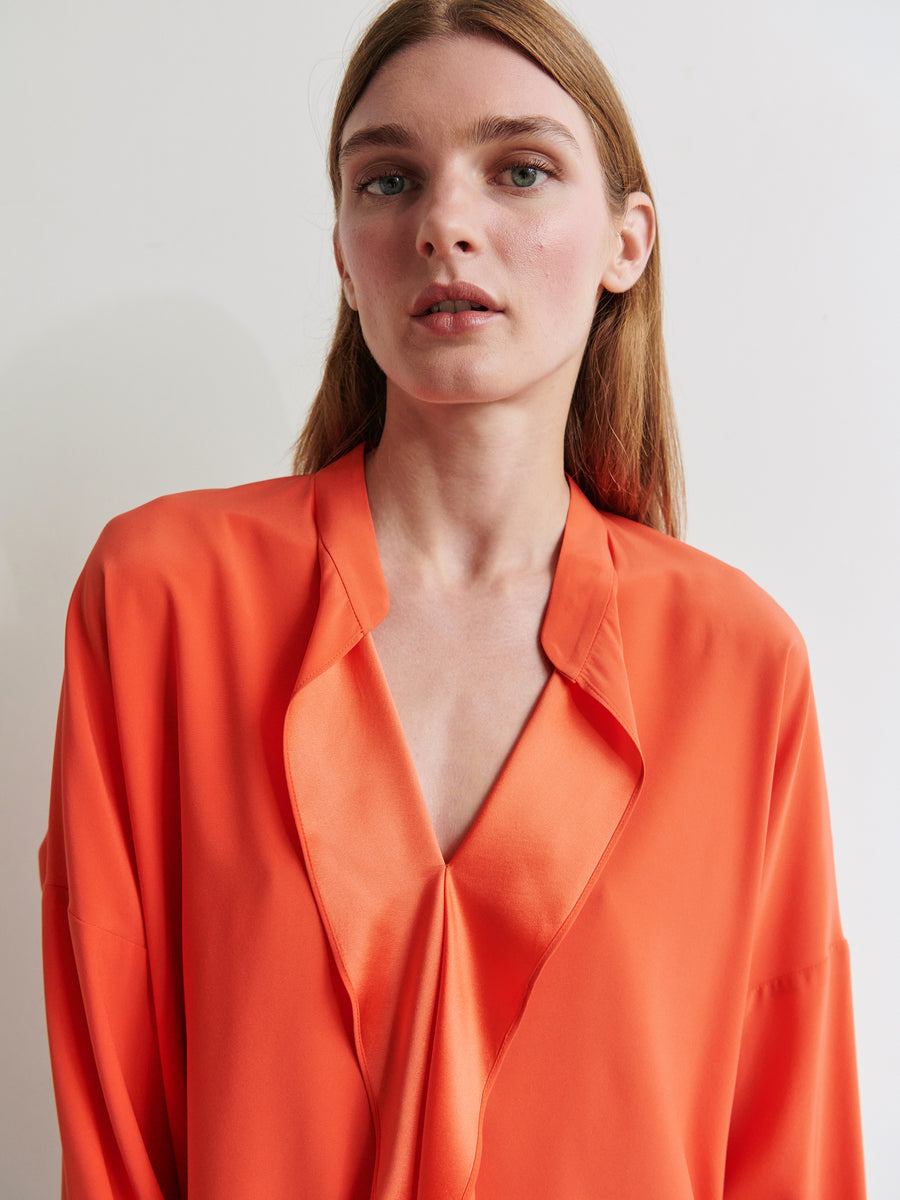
x=429, y=825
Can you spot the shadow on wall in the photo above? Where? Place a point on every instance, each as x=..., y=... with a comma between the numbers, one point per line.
x=151, y=395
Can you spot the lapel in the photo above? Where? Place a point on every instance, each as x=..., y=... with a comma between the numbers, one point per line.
x=439, y=958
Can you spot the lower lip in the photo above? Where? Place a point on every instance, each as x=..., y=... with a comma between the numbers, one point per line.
x=446, y=324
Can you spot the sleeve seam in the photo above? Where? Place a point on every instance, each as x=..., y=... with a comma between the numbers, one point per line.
x=790, y=981
x=58, y=887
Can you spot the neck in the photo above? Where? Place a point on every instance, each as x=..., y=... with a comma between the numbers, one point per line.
x=468, y=494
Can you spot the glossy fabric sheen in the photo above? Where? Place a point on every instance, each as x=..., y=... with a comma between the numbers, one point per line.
x=262, y=978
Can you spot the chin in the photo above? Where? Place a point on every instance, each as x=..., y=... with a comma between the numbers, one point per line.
x=445, y=392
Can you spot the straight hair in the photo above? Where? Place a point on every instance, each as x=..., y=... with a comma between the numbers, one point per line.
x=621, y=441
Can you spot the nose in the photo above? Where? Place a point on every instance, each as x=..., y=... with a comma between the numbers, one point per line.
x=450, y=222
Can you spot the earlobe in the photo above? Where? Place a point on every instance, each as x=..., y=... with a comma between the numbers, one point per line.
x=346, y=282
x=635, y=241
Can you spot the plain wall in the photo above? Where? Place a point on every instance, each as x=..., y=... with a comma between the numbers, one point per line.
x=166, y=297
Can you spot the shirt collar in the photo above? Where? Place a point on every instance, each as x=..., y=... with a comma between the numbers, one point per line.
x=581, y=634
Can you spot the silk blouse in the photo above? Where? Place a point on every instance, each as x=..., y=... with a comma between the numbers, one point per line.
x=263, y=979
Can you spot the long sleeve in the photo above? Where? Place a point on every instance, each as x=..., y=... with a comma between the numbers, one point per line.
x=795, y=1130
x=105, y=1048
x=226, y=968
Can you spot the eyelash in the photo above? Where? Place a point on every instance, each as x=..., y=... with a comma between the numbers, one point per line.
x=389, y=173
x=532, y=164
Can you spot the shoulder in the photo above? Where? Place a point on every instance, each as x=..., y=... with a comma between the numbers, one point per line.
x=176, y=532
x=699, y=599
x=191, y=548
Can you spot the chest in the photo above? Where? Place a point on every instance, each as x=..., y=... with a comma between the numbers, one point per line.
x=464, y=675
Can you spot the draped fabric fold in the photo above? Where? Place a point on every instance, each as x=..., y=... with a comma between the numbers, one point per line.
x=439, y=959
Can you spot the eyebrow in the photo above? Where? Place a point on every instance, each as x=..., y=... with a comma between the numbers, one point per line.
x=483, y=132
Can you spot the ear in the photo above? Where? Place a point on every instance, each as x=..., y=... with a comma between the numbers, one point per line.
x=346, y=281
x=637, y=232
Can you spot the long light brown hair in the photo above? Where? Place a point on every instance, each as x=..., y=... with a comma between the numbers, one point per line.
x=621, y=444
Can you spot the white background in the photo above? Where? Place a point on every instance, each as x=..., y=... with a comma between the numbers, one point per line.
x=166, y=297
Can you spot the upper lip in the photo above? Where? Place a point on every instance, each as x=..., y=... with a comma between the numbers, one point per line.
x=436, y=293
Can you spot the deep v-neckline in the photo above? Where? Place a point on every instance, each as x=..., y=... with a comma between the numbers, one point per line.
x=386, y=698
x=439, y=958
x=429, y=805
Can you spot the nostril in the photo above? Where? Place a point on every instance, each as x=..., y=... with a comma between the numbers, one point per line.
x=430, y=246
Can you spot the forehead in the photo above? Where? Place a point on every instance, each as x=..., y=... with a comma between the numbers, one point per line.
x=447, y=85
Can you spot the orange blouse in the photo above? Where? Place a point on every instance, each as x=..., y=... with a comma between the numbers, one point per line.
x=263, y=980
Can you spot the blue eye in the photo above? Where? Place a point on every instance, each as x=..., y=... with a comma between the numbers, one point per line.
x=387, y=185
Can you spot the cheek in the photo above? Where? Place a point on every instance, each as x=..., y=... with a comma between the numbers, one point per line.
x=564, y=252
x=368, y=259
x=569, y=270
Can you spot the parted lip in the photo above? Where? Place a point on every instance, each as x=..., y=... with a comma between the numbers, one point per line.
x=437, y=293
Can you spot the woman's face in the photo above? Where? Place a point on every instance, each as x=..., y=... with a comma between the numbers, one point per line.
x=471, y=180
